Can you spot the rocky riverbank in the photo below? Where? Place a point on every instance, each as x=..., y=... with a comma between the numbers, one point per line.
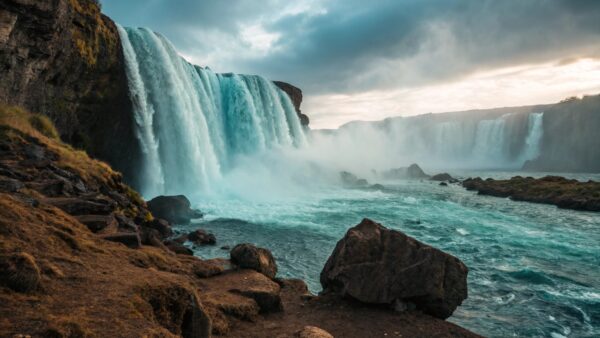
x=562, y=192
x=81, y=255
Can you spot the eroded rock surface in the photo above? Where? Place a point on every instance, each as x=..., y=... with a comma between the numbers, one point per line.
x=377, y=265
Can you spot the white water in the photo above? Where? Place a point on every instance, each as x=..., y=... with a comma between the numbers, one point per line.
x=192, y=123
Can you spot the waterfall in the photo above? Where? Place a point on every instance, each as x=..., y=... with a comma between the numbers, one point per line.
x=490, y=141
x=192, y=123
x=535, y=131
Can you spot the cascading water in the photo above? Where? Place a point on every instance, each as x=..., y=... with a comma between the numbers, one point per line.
x=534, y=137
x=191, y=123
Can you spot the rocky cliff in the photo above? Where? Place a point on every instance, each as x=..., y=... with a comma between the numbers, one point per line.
x=63, y=58
x=295, y=95
x=571, y=142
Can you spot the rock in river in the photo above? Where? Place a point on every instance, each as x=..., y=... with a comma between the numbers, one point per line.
x=377, y=265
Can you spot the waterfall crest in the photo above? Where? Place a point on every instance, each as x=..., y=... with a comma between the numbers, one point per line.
x=191, y=123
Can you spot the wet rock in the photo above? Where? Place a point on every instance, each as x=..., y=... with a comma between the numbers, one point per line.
x=376, y=265
x=312, y=332
x=178, y=248
x=443, y=184
x=174, y=209
x=248, y=256
x=226, y=247
x=97, y=223
x=130, y=239
x=160, y=225
x=19, y=272
x=202, y=237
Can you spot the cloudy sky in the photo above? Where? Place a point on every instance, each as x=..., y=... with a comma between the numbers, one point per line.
x=368, y=60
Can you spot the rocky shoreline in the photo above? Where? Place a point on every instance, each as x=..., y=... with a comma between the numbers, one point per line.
x=562, y=192
x=82, y=255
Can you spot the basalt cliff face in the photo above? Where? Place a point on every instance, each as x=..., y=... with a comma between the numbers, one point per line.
x=63, y=58
x=295, y=94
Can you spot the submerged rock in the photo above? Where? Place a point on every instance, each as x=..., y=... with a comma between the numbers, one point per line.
x=248, y=256
x=380, y=266
x=198, y=237
x=174, y=209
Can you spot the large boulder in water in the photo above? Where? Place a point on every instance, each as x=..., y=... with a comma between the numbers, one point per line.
x=380, y=266
x=174, y=209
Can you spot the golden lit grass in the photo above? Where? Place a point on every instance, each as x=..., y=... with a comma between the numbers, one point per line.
x=14, y=120
x=94, y=33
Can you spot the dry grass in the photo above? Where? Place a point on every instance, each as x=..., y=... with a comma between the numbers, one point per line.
x=14, y=119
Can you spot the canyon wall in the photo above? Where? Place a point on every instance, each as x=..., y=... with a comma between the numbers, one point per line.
x=63, y=58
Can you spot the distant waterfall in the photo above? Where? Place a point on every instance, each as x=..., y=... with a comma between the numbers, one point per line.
x=191, y=122
x=533, y=140
x=490, y=143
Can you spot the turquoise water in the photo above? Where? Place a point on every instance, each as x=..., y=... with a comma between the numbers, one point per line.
x=533, y=268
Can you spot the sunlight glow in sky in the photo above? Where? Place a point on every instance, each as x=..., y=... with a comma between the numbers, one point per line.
x=511, y=86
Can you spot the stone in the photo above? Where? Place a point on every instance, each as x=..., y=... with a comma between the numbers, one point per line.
x=312, y=332
x=78, y=206
x=161, y=225
x=178, y=248
x=201, y=237
x=411, y=172
x=174, y=209
x=376, y=265
x=130, y=239
x=19, y=272
x=248, y=256
x=97, y=223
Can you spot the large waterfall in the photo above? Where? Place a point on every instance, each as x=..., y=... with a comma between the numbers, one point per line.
x=192, y=123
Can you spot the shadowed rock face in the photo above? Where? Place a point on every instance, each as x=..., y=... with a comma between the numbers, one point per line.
x=376, y=265
x=63, y=58
x=295, y=95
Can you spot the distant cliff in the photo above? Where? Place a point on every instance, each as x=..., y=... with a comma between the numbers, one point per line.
x=561, y=137
x=63, y=58
x=571, y=140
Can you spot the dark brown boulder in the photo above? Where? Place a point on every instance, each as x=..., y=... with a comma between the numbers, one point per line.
x=97, y=223
x=178, y=248
x=130, y=239
x=160, y=225
x=19, y=272
x=174, y=209
x=380, y=266
x=202, y=237
x=248, y=256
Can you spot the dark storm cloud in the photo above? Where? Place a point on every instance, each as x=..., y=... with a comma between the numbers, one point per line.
x=362, y=45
